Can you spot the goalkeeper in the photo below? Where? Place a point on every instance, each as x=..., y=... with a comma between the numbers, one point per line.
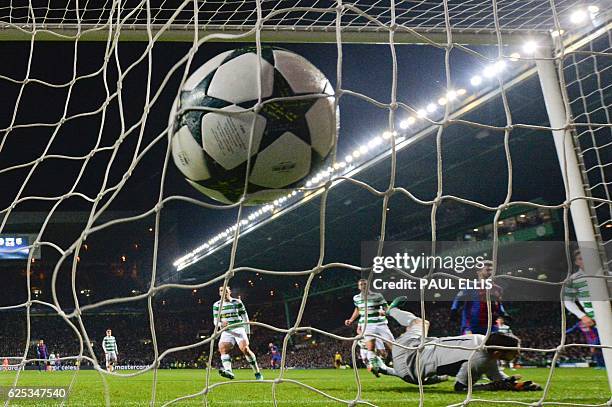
x=437, y=361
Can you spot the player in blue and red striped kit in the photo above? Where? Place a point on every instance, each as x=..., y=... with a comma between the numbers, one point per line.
x=41, y=353
x=275, y=356
x=473, y=303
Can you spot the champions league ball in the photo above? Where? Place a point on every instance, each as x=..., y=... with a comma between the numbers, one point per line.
x=291, y=138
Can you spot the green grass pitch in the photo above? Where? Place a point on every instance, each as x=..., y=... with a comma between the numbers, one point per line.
x=573, y=386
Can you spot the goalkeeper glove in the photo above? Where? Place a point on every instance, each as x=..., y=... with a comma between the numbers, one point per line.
x=511, y=383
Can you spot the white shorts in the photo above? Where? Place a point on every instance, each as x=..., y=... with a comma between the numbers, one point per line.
x=234, y=336
x=111, y=357
x=381, y=330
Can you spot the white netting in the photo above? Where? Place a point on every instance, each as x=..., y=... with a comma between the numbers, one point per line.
x=71, y=20
x=474, y=15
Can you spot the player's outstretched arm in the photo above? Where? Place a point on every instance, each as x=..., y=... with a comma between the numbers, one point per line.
x=353, y=317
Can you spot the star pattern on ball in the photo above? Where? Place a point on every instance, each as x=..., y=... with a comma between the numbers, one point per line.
x=284, y=116
x=198, y=97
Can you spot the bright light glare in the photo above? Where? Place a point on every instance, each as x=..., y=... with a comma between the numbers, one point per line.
x=515, y=56
x=593, y=9
x=404, y=124
x=489, y=71
x=461, y=92
x=387, y=135
x=451, y=95
x=476, y=80
x=556, y=33
x=374, y=142
x=578, y=17
x=530, y=47
x=431, y=108
x=421, y=113
x=442, y=101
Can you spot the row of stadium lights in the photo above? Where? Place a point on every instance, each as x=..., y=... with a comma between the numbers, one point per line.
x=490, y=72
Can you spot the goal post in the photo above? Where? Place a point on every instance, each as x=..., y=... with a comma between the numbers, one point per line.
x=278, y=34
x=582, y=219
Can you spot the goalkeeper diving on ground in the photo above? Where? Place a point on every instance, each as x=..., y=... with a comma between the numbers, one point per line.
x=464, y=355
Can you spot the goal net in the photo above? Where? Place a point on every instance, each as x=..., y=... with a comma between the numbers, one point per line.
x=87, y=89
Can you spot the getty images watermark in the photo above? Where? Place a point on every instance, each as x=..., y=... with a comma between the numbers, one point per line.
x=524, y=271
x=408, y=263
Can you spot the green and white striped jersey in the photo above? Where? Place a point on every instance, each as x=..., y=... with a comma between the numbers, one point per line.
x=577, y=289
x=375, y=302
x=109, y=344
x=504, y=329
x=233, y=312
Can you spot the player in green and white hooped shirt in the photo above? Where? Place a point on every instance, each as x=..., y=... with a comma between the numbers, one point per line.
x=577, y=290
x=374, y=313
x=230, y=312
x=109, y=344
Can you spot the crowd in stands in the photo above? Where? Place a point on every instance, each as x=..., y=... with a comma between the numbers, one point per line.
x=307, y=349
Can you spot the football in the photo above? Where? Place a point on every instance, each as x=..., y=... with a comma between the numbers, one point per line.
x=213, y=118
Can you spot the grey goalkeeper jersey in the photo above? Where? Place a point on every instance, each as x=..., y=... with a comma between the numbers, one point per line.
x=437, y=360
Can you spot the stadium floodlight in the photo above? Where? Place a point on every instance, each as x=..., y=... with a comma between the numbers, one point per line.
x=451, y=95
x=556, y=33
x=476, y=80
x=461, y=91
x=387, y=135
x=348, y=158
x=593, y=9
x=579, y=16
x=421, y=113
x=530, y=47
x=363, y=149
x=515, y=56
x=442, y=101
x=489, y=71
x=499, y=66
x=356, y=154
x=404, y=124
x=431, y=107
x=375, y=142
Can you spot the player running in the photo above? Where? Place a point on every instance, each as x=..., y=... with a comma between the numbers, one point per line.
x=374, y=312
x=43, y=354
x=234, y=316
x=473, y=302
x=275, y=356
x=109, y=344
x=436, y=361
x=578, y=302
